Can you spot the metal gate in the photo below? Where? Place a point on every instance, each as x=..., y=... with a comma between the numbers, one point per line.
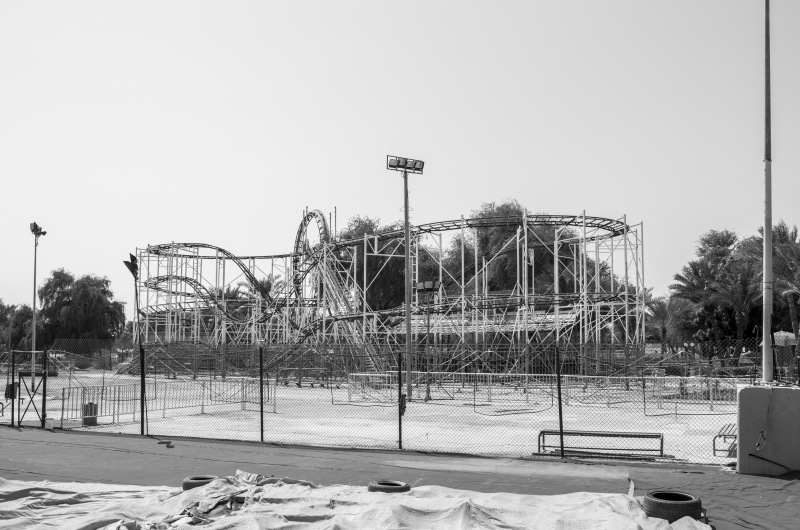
x=25, y=395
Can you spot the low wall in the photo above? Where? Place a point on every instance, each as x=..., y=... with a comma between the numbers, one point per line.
x=775, y=411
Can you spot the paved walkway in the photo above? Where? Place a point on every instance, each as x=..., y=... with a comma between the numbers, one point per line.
x=733, y=501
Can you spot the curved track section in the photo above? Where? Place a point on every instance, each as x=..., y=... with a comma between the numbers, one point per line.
x=324, y=297
x=612, y=227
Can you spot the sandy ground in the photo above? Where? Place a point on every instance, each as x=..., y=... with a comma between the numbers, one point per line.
x=497, y=420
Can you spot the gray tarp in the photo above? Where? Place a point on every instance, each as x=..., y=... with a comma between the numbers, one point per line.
x=250, y=501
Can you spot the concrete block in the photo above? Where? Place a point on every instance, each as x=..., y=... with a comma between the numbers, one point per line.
x=775, y=411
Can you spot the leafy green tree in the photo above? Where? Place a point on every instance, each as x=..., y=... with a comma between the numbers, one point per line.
x=55, y=296
x=701, y=280
x=79, y=309
x=738, y=288
x=6, y=311
x=20, y=323
x=385, y=275
x=786, y=267
x=671, y=317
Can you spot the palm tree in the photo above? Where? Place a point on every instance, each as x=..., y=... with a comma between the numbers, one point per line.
x=738, y=287
x=669, y=315
x=694, y=281
x=785, y=264
x=786, y=267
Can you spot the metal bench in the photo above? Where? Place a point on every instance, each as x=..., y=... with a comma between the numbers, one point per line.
x=580, y=449
x=728, y=436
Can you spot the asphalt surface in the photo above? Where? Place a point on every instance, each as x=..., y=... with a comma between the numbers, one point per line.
x=733, y=501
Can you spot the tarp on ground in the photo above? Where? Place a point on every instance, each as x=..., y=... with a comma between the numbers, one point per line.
x=250, y=501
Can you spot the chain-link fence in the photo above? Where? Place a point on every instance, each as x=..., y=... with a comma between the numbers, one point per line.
x=641, y=402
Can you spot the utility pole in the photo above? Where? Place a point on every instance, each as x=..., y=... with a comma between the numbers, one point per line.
x=408, y=286
x=766, y=344
x=406, y=165
x=37, y=232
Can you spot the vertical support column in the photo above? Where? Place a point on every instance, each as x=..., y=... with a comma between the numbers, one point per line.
x=519, y=289
x=627, y=303
x=224, y=338
x=477, y=292
x=585, y=294
x=556, y=275
x=364, y=301
x=438, y=334
x=642, y=309
x=525, y=314
x=463, y=285
x=597, y=289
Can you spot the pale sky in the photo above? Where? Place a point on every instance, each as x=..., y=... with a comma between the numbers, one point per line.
x=124, y=124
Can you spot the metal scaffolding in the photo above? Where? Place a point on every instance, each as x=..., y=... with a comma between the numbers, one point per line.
x=592, y=297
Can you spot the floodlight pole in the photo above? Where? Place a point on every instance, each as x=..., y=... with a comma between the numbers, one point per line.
x=408, y=286
x=37, y=231
x=766, y=344
x=33, y=342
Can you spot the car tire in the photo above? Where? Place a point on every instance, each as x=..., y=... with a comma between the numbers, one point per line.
x=195, y=481
x=672, y=505
x=388, y=486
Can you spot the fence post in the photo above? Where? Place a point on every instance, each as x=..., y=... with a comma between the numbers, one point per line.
x=44, y=388
x=710, y=393
x=261, y=388
x=560, y=412
x=164, y=403
x=202, y=397
x=62, y=407
x=242, y=393
x=608, y=391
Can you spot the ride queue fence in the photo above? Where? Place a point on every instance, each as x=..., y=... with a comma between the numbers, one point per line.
x=334, y=395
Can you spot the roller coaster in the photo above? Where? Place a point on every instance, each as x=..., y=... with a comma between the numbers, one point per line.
x=578, y=280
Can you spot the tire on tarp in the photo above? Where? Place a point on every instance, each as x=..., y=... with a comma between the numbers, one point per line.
x=388, y=486
x=195, y=481
x=672, y=505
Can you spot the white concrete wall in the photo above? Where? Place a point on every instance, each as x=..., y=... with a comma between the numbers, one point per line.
x=778, y=410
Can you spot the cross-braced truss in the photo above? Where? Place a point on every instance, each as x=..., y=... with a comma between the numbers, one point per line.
x=579, y=280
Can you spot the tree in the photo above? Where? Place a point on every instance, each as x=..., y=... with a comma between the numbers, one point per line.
x=718, y=252
x=385, y=275
x=20, y=326
x=672, y=318
x=79, y=309
x=739, y=288
x=786, y=268
x=6, y=311
x=55, y=297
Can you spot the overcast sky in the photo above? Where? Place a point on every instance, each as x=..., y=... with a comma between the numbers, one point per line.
x=124, y=124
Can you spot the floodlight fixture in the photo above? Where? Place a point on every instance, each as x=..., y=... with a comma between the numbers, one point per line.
x=429, y=286
x=133, y=266
x=37, y=230
x=408, y=165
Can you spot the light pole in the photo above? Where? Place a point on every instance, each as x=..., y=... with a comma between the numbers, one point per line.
x=37, y=231
x=133, y=267
x=766, y=348
x=406, y=165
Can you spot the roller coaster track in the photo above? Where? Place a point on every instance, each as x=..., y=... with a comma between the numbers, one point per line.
x=613, y=227
x=306, y=258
